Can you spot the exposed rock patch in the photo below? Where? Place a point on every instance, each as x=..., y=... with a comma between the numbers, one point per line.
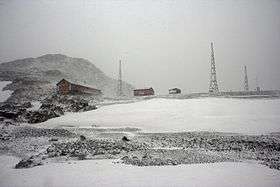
x=161, y=157
x=144, y=149
x=92, y=148
x=53, y=106
x=28, y=163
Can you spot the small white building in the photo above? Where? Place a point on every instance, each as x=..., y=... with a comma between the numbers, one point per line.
x=174, y=91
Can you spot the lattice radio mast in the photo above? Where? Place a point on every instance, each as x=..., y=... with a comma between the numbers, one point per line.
x=213, y=87
x=246, y=83
x=120, y=89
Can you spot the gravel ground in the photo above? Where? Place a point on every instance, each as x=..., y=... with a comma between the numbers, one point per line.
x=37, y=146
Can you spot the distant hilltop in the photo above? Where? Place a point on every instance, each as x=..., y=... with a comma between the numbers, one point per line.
x=36, y=77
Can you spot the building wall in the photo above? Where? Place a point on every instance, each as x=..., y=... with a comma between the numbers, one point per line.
x=84, y=90
x=64, y=87
x=174, y=91
x=143, y=92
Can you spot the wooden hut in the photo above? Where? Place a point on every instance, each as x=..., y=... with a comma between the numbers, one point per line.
x=174, y=91
x=144, y=92
x=65, y=87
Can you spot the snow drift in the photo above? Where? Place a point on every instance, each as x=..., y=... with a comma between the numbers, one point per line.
x=249, y=116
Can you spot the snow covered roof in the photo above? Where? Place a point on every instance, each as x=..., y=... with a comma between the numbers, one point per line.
x=142, y=89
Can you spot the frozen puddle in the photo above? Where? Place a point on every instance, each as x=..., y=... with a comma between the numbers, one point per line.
x=248, y=116
x=4, y=95
x=106, y=173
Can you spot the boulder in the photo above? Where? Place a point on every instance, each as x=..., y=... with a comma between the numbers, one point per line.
x=82, y=138
x=125, y=139
x=53, y=140
x=89, y=107
x=69, y=103
x=41, y=116
x=9, y=114
x=28, y=163
x=46, y=111
x=26, y=105
x=14, y=111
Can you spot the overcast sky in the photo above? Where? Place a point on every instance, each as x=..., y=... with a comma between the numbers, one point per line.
x=162, y=43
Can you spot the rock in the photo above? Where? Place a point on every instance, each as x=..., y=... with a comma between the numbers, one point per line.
x=26, y=105
x=9, y=114
x=125, y=159
x=44, y=113
x=68, y=103
x=78, y=106
x=125, y=139
x=89, y=107
x=135, y=160
x=82, y=138
x=58, y=110
x=91, y=147
x=14, y=111
x=41, y=116
x=5, y=137
x=53, y=140
x=28, y=163
x=81, y=154
x=46, y=106
x=2, y=118
x=8, y=106
x=9, y=122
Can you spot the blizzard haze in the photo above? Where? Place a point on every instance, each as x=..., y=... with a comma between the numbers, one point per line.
x=163, y=43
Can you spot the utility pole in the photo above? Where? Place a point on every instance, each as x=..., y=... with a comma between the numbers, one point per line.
x=246, y=83
x=213, y=87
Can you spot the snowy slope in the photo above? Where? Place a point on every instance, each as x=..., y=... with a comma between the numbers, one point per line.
x=51, y=68
x=4, y=94
x=106, y=174
x=250, y=116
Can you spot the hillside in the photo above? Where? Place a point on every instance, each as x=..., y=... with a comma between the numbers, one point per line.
x=36, y=77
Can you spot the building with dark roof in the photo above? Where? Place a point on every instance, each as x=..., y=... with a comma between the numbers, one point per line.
x=174, y=91
x=144, y=92
x=65, y=87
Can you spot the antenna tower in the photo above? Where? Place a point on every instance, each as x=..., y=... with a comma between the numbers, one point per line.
x=246, y=83
x=120, y=91
x=213, y=87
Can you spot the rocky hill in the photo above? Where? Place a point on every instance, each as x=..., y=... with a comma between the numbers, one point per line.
x=33, y=78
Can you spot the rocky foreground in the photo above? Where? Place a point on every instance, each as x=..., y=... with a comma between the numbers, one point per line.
x=53, y=106
x=37, y=146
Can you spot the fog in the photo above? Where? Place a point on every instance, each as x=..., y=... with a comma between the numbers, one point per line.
x=162, y=43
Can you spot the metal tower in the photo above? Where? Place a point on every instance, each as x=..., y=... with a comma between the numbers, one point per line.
x=213, y=87
x=120, y=91
x=246, y=83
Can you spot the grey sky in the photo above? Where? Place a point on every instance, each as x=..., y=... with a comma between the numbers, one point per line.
x=163, y=43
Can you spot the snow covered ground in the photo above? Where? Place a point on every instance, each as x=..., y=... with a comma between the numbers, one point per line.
x=106, y=173
x=4, y=95
x=35, y=106
x=249, y=116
